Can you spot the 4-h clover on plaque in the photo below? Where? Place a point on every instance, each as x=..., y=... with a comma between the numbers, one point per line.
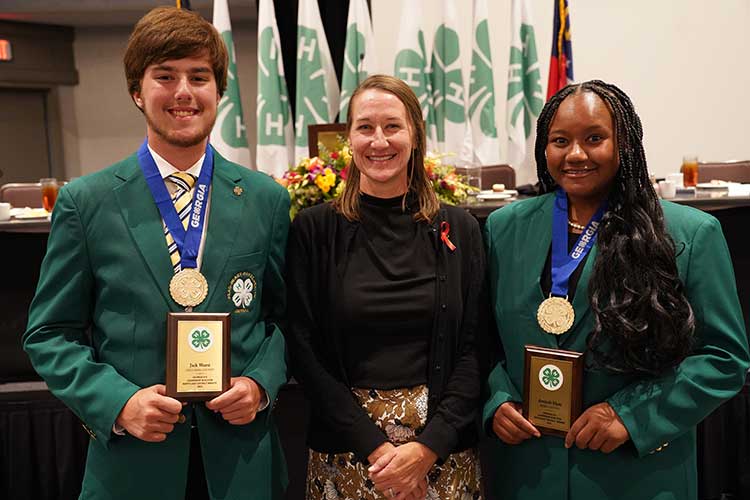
x=198, y=364
x=552, y=388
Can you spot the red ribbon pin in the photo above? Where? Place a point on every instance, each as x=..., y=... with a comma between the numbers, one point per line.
x=445, y=230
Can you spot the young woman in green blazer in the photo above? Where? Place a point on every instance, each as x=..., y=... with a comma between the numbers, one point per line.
x=653, y=308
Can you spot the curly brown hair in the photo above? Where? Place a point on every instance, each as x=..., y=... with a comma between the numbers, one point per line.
x=170, y=33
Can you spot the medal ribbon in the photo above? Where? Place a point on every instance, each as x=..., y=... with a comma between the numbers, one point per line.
x=187, y=241
x=564, y=263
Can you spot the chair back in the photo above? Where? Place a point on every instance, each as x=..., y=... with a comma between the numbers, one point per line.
x=22, y=194
x=736, y=171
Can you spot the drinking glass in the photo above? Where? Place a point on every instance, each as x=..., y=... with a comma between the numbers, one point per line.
x=689, y=170
x=49, y=192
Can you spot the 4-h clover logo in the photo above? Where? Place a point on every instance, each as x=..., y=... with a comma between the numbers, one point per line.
x=200, y=339
x=242, y=290
x=551, y=377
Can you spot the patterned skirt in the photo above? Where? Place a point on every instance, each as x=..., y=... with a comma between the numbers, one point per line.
x=401, y=414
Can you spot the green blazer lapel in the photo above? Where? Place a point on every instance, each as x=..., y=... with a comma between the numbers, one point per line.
x=223, y=220
x=536, y=258
x=144, y=222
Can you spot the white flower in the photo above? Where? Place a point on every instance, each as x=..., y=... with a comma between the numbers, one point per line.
x=243, y=292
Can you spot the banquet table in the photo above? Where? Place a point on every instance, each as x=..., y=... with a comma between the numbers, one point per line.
x=43, y=447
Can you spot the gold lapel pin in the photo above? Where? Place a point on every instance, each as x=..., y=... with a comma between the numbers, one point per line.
x=238, y=190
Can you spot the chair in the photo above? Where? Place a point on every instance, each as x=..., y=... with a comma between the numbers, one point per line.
x=22, y=194
x=325, y=134
x=495, y=174
x=736, y=171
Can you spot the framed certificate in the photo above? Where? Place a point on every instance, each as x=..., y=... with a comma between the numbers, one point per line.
x=198, y=355
x=552, y=388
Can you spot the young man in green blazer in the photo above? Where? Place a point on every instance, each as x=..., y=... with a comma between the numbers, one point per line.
x=97, y=325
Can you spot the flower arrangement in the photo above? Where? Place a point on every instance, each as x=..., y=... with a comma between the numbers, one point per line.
x=450, y=187
x=318, y=179
x=322, y=178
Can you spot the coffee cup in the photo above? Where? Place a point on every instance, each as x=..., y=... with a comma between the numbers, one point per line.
x=676, y=178
x=667, y=189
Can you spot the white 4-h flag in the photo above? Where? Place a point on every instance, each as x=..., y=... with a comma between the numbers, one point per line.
x=410, y=64
x=448, y=96
x=359, y=53
x=525, y=99
x=228, y=136
x=275, y=130
x=482, y=93
x=317, y=98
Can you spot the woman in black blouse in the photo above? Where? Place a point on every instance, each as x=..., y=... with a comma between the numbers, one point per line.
x=384, y=288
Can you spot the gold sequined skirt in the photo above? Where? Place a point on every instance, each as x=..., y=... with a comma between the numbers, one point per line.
x=401, y=414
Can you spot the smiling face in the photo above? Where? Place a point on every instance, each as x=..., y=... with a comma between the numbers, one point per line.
x=179, y=98
x=581, y=150
x=381, y=138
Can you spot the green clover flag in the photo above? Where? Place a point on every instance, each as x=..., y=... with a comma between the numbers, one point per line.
x=359, y=53
x=482, y=92
x=525, y=98
x=317, y=99
x=228, y=136
x=448, y=94
x=410, y=64
x=275, y=130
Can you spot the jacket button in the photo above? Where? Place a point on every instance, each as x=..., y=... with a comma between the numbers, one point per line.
x=442, y=277
x=443, y=306
x=437, y=368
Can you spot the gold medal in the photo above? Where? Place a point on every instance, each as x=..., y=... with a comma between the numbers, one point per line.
x=188, y=287
x=555, y=315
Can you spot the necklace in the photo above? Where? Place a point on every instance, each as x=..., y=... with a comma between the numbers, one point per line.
x=576, y=226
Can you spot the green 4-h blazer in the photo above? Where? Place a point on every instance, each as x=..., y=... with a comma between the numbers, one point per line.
x=107, y=269
x=659, y=461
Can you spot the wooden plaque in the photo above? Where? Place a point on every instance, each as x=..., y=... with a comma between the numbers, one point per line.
x=198, y=355
x=552, y=388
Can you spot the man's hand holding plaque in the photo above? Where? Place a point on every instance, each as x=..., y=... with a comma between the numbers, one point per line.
x=150, y=414
x=240, y=403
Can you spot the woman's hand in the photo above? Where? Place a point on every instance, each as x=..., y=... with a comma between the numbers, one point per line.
x=598, y=428
x=401, y=473
x=510, y=426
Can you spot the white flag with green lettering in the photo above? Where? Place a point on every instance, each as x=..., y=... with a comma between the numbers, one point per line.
x=275, y=131
x=411, y=62
x=317, y=99
x=359, y=53
x=228, y=136
x=447, y=81
x=525, y=98
x=482, y=92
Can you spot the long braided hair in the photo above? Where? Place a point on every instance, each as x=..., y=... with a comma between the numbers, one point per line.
x=643, y=321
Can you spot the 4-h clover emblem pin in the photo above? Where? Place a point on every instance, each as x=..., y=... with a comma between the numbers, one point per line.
x=242, y=290
x=200, y=339
x=551, y=377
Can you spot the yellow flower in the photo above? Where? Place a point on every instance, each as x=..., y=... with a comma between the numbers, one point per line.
x=325, y=180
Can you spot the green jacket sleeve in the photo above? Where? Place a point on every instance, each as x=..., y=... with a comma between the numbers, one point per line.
x=59, y=317
x=499, y=385
x=658, y=411
x=268, y=366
